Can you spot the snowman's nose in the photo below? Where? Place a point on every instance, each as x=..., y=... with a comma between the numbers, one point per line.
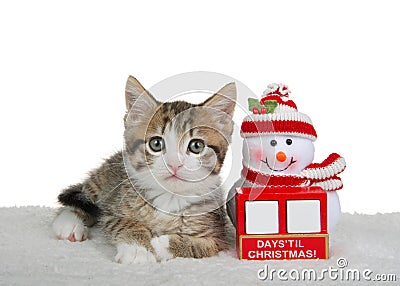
x=280, y=156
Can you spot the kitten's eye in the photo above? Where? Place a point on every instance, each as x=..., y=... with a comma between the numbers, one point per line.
x=273, y=143
x=196, y=146
x=289, y=141
x=156, y=144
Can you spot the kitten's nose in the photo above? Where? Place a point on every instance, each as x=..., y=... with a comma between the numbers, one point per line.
x=174, y=167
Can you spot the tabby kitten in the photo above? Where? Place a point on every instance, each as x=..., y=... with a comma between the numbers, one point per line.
x=160, y=197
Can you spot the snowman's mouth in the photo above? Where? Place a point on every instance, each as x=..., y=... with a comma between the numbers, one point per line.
x=292, y=161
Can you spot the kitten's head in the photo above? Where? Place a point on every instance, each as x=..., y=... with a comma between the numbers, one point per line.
x=176, y=147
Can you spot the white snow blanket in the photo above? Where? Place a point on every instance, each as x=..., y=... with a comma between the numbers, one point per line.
x=30, y=254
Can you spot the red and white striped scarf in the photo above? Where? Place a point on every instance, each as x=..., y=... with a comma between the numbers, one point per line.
x=317, y=174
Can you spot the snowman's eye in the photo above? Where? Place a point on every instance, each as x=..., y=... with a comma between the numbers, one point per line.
x=289, y=141
x=273, y=143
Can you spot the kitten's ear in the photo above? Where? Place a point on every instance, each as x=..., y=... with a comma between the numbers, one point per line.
x=138, y=97
x=224, y=100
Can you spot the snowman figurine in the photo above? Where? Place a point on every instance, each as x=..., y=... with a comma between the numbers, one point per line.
x=278, y=150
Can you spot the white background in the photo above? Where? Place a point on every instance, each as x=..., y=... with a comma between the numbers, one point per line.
x=63, y=67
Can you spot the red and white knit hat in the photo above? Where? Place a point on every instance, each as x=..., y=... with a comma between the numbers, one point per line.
x=274, y=114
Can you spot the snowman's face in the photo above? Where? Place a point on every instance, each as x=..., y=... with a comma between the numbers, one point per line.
x=278, y=154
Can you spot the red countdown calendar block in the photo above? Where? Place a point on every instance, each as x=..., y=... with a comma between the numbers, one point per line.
x=282, y=223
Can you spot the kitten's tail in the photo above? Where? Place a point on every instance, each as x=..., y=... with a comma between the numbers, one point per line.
x=74, y=197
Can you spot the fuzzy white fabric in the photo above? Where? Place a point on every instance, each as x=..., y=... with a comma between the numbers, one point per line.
x=30, y=254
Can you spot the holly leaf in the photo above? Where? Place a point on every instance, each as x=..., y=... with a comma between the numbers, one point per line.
x=254, y=103
x=270, y=105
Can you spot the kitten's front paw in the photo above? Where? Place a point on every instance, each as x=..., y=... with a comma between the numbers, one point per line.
x=133, y=253
x=161, y=246
x=68, y=225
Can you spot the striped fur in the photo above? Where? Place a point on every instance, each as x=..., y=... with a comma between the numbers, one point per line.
x=133, y=196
